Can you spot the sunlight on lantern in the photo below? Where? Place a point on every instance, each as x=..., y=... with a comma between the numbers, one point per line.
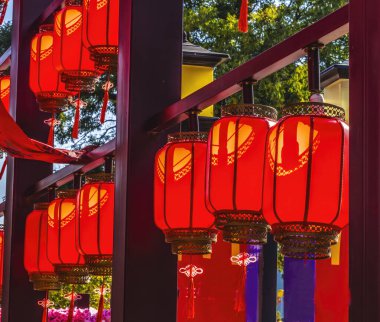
x=245, y=136
x=301, y=159
x=93, y=200
x=67, y=212
x=181, y=163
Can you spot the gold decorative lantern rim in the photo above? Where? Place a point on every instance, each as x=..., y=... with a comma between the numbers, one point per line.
x=254, y=110
x=188, y=137
x=67, y=194
x=100, y=177
x=314, y=109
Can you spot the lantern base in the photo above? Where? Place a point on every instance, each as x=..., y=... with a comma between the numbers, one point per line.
x=99, y=265
x=243, y=227
x=306, y=241
x=52, y=102
x=44, y=281
x=72, y=274
x=80, y=81
x=191, y=242
x=105, y=57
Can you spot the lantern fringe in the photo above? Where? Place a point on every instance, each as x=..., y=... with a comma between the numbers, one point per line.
x=46, y=308
x=70, y=315
x=101, y=304
x=243, y=19
x=107, y=86
x=240, y=293
x=76, y=119
x=191, y=299
x=3, y=168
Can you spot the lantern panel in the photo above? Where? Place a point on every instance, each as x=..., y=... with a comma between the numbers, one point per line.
x=95, y=219
x=236, y=147
x=35, y=249
x=305, y=170
x=61, y=233
x=5, y=90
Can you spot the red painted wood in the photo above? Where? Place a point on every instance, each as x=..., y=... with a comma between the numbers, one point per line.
x=324, y=31
x=364, y=160
x=150, y=59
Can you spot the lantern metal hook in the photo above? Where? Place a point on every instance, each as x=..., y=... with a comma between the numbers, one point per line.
x=314, y=72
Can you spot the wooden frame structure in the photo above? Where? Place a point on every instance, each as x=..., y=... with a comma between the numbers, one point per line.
x=144, y=283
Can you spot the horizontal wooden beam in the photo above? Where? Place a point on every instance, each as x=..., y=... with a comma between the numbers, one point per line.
x=95, y=158
x=5, y=59
x=287, y=52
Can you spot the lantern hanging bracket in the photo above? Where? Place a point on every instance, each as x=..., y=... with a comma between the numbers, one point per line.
x=77, y=183
x=314, y=71
x=51, y=192
x=109, y=164
x=194, y=119
x=248, y=91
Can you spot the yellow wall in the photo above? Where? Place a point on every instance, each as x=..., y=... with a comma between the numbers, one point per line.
x=338, y=94
x=194, y=78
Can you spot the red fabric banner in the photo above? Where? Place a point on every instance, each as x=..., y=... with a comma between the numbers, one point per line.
x=17, y=144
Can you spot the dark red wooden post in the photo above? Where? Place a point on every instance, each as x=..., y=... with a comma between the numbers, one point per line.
x=364, y=160
x=19, y=299
x=144, y=271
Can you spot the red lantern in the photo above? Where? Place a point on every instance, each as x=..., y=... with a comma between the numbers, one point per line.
x=306, y=179
x=179, y=191
x=234, y=179
x=1, y=260
x=101, y=32
x=40, y=269
x=71, y=57
x=61, y=248
x=44, y=79
x=5, y=90
x=94, y=216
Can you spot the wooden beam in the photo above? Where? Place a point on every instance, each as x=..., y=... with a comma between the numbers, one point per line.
x=290, y=50
x=144, y=285
x=364, y=160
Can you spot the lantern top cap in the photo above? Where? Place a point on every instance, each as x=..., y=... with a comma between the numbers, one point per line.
x=46, y=28
x=256, y=110
x=67, y=194
x=99, y=177
x=73, y=2
x=41, y=206
x=188, y=137
x=315, y=109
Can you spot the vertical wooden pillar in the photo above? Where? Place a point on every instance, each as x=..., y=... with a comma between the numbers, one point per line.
x=364, y=160
x=19, y=299
x=144, y=285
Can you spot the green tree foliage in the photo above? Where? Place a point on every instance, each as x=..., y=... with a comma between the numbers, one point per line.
x=5, y=37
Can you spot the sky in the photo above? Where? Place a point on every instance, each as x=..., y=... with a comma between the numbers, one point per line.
x=8, y=15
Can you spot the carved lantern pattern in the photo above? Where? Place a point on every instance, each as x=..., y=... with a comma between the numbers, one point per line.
x=36, y=262
x=234, y=175
x=94, y=216
x=306, y=179
x=179, y=191
x=62, y=252
x=101, y=31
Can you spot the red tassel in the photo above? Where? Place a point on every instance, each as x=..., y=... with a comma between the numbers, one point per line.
x=51, y=131
x=101, y=305
x=191, y=300
x=76, y=119
x=3, y=168
x=70, y=315
x=243, y=19
x=240, y=294
x=104, y=107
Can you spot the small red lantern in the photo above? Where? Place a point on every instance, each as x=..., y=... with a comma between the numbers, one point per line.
x=61, y=248
x=234, y=175
x=306, y=179
x=71, y=57
x=40, y=269
x=1, y=260
x=94, y=216
x=5, y=89
x=179, y=191
x=101, y=31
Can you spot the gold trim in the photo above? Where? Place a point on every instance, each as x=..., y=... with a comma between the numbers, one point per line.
x=41, y=205
x=315, y=109
x=100, y=177
x=255, y=110
x=188, y=137
x=99, y=265
x=45, y=281
x=67, y=194
x=72, y=274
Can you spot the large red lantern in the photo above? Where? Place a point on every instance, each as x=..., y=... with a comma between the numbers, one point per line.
x=101, y=31
x=36, y=262
x=71, y=57
x=179, y=189
x=44, y=79
x=5, y=89
x=1, y=260
x=234, y=179
x=306, y=179
x=62, y=252
x=94, y=216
